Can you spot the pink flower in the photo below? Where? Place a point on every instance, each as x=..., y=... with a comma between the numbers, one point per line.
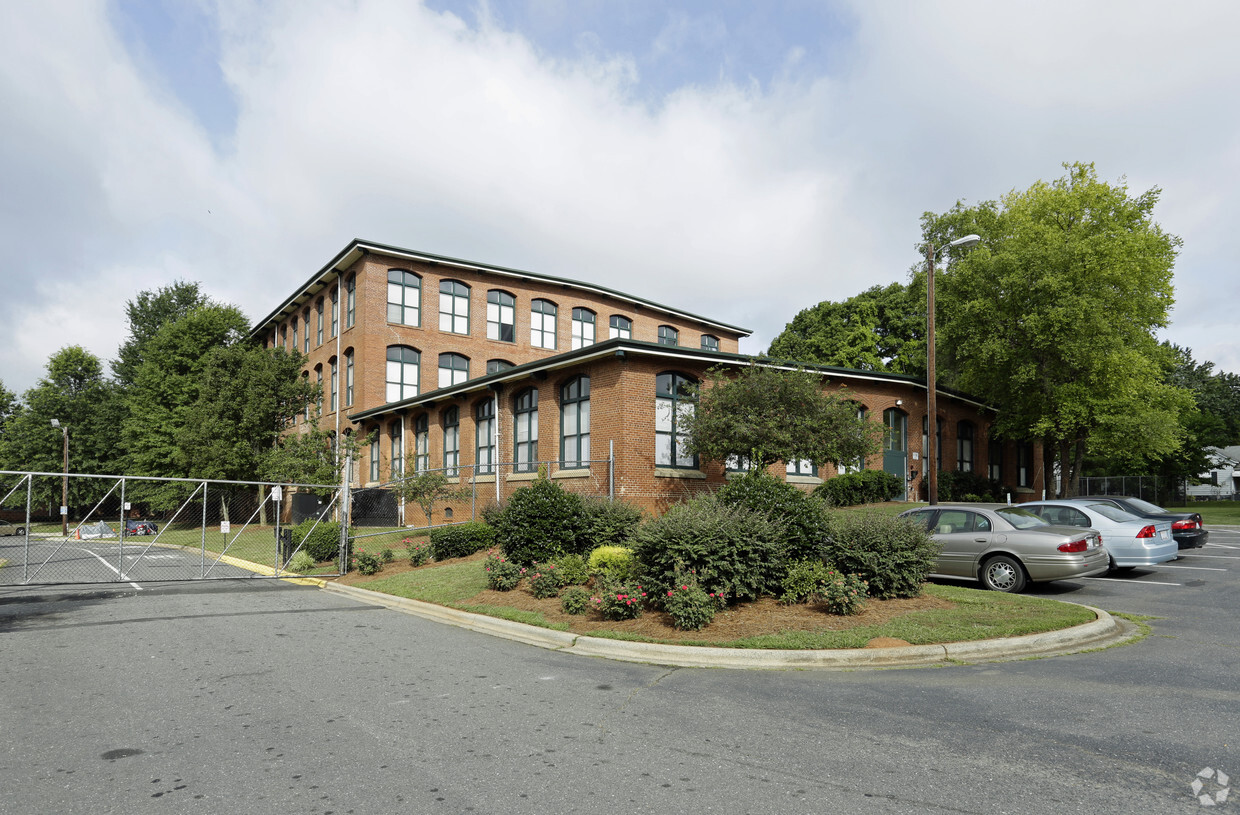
x=686, y=588
x=669, y=592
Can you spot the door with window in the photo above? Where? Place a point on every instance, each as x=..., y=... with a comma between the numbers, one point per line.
x=895, y=447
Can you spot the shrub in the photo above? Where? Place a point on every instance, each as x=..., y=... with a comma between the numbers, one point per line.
x=803, y=581
x=321, y=541
x=957, y=485
x=387, y=556
x=803, y=516
x=300, y=562
x=865, y=487
x=575, y=600
x=544, y=582
x=461, y=540
x=690, y=606
x=842, y=593
x=612, y=563
x=367, y=562
x=540, y=523
x=619, y=601
x=502, y=574
x=893, y=555
x=606, y=523
x=572, y=570
x=732, y=549
x=419, y=550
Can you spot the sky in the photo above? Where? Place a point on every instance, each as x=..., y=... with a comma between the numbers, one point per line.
x=739, y=160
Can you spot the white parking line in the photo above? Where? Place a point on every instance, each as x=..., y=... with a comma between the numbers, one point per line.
x=1198, y=568
x=1215, y=557
x=109, y=565
x=1223, y=546
x=1132, y=582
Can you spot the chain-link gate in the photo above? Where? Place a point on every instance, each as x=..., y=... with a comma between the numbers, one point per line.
x=73, y=528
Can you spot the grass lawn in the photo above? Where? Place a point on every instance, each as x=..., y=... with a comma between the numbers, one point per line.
x=1213, y=512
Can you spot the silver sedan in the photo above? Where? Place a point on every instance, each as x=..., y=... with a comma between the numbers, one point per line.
x=1130, y=541
x=7, y=528
x=1007, y=547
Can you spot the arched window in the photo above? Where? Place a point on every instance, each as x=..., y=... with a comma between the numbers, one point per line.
x=318, y=323
x=294, y=333
x=404, y=297
x=421, y=444
x=284, y=336
x=668, y=335
x=374, y=458
x=895, y=435
x=333, y=364
x=318, y=375
x=453, y=307
x=402, y=372
x=542, y=324
x=484, y=437
x=494, y=366
x=348, y=378
x=674, y=403
x=451, y=440
x=938, y=440
x=710, y=342
x=453, y=370
x=582, y=328
x=305, y=341
x=397, y=433
x=964, y=447
x=350, y=302
x=575, y=423
x=501, y=316
x=621, y=327
x=526, y=432
x=335, y=306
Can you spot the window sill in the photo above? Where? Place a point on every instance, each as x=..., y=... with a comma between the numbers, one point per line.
x=522, y=477
x=804, y=479
x=671, y=472
x=576, y=472
x=483, y=479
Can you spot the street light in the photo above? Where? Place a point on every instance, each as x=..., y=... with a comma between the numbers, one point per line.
x=64, y=482
x=931, y=466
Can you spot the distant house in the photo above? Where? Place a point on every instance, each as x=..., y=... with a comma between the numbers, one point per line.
x=1222, y=480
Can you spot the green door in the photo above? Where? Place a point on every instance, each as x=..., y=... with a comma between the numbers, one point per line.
x=895, y=447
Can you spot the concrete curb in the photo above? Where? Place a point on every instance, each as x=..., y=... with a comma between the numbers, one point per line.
x=1103, y=632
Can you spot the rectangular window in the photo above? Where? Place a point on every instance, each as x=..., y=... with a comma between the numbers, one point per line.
x=484, y=437
x=453, y=307
x=334, y=384
x=421, y=444
x=404, y=297
x=542, y=324
x=453, y=370
x=350, y=302
x=294, y=333
x=1024, y=465
x=801, y=467
x=398, y=450
x=451, y=441
x=582, y=328
x=306, y=339
x=348, y=379
x=335, y=312
x=374, y=458
x=621, y=328
x=402, y=373
x=318, y=331
x=526, y=435
x=994, y=459
x=501, y=316
x=575, y=423
x=964, y=447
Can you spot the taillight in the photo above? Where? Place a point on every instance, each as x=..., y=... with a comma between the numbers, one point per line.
x=1074, y=546
x=1188, y=524
x=1148, y=532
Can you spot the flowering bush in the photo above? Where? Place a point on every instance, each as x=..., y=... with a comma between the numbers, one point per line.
x=619, y=602
x=544, y=581
x=575, y=600
x=367, y=562
x=842, y=593
x=387, y=556
x=692, y=607
x=419, y=551
x=502, y=574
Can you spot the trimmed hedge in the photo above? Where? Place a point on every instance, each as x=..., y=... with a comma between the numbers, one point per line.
x=957, y=485
x=461, y=540
x=607, y=523
x=803, y=516
x=540, y=523
x=892, y=554
x=323, y=543
x=865, y=487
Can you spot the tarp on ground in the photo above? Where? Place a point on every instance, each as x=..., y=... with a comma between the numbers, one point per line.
x=99, y=529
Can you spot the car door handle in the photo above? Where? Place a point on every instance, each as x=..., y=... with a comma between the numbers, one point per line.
x=980, y=540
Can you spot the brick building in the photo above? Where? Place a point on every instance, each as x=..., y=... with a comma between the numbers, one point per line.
x=486, y=372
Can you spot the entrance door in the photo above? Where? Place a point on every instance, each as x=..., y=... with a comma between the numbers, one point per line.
x=895, y=447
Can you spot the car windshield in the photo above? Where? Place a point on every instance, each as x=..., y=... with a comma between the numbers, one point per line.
x=1112, y=513
x=1145, y=506
x=1020, y=518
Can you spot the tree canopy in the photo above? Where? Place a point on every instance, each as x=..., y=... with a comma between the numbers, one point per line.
x=147, y=314
x=766, y=414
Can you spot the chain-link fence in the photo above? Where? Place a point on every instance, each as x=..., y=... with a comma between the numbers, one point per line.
x=72, y=528
x=1153, y=488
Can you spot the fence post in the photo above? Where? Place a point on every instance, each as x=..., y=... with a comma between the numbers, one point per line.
x=611, y=470
x=346, y=508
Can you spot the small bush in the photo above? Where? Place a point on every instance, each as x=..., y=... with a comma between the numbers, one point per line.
x=387, y=556
x=572, y=570
x=606, y=522
x=300, y=562
x=803, y=581
x=575, y=600
x=958, y=485
x=419, y=551
x=544, y=582
x=893, y=555
x=865, y=487
x=690, y=606
x=803, y=516
x=842, y=593
x=612, y=563
x=323, y=543
x=502, y=574
x=461, y=540
x=620, y=602
x=732, y=549
x=540, y=523
x=367, y=562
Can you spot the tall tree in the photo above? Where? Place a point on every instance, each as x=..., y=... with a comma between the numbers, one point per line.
x=1052, y=318
x=881, y=329
x=766, y=414
x=147, y=314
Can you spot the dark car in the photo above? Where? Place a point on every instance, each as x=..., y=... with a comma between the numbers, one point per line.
x=1186, y=527
x=140, y=528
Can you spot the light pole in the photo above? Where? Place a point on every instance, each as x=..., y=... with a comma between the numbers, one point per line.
x=931, y=466
x=64, y=482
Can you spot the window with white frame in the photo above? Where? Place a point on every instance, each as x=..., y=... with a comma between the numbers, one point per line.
x=453, y=307
x=621, y=328
x=575, y=423
x=668, y=335
x=402, y=372
x=674, y=403
x=451, y=441
x=501, y=316
x=404, y=297
x=542, y=324
x=453, y=370
x=582, y=328
x=526, y=431
x=484, y=437
x=802, y=466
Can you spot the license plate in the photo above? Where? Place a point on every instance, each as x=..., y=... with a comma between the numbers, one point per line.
x=1163, y=534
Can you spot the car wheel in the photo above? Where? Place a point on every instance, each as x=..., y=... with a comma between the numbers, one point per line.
x=1003, y=573
x=19, y=530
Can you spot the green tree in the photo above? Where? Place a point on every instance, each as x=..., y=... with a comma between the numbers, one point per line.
x=768, y=414
x=147, y=314
x=881, y=329
x=1052, y=318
